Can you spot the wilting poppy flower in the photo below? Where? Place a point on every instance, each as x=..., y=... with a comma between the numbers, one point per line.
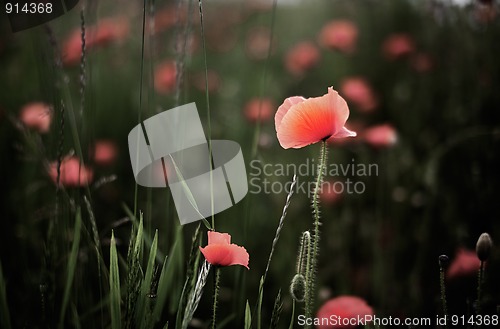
x=36, y=116
x=339, y=35
x=221, y=252
x=347, y=309
x=381, y=135
x=165, y=77
x=105, y=32
x=104, y=152
x=73, y=173
x=300, y=121
x=258, y=109
x=358, y=91
x=465, y=263
x=398, y=45
x=301, y=57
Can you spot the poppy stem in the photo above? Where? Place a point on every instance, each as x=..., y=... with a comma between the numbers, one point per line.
x=479, y=288
x=216, y=295
x=310, y=291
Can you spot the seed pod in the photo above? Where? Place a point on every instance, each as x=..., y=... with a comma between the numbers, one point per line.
x=483, y=247
x=298, y=288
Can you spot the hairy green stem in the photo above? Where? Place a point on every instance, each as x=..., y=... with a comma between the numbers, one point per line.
x=479, y=288
x=314, y=259
x=216, y=296
x=443, y=292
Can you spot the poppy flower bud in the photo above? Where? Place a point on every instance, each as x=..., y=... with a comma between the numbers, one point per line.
x=298, y=288
x=483, y=247
x=443, y=260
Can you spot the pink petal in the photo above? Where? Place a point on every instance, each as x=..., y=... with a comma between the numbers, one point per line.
x=312, y=120
x=344, y=132
x=283, y=109
x=218, y=238
x=225, y=255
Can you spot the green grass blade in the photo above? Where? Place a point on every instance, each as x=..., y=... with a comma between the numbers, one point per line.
x=259, y=303
x=143, y=300
x=161, y=293
x=4, y=309
x=292, y=320
x=248, y=317
x=114, y=286
x=278, y=307
x=70, y=272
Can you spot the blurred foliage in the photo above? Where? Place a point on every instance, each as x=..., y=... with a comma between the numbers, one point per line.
x=435, y=190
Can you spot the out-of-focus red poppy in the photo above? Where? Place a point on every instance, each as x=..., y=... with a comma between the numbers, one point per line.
x=422, y=62
x=301, y=57
x=485, y=12
x=300, y=122
x=198, y=81
x=105, y=152
x=36, y=116
x=259, y=109
x=258, y=42
x=167, y=17
x=380, y=136
x=330, y=193
x=347, y=310
x=464, y=264
x=165, y=77
x=398, y=45
x=358, y=91
x=73, y=173
x=221, y=252
x=105, y=32
x=340, y=35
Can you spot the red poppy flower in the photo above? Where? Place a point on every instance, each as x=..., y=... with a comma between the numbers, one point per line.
x=346, y=309
x=465, y=263
x=221, y=252
x=398, y=45
x=381, y=136
x=105, y=152
x=259, y=109
x=300, y=122
x=36, y=116
x=165, y=77
x=340, y=35
x=359, y=91
x=301, y=57
x=73, y=173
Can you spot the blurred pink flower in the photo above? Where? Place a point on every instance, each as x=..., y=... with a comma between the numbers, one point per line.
x=198, y=81
x=37, y=116
x=258, y=42
x=105, y=32
x=330, y=193
x=343, y=307
x=358, y=91
x=105, y=152
x=259, y=109
x=380, y=136
x=302, y=57
x=165, y=77
x=167, y=17
x=341, y=35
x=422, y=62
x=398, y=45
x=465, y=263
x=73, y=173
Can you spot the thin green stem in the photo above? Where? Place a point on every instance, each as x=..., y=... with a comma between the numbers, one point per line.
x=443, y=293
x=479, y=288
x=314, y=259
x=216, y=296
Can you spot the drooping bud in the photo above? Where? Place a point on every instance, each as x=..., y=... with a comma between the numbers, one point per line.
x=443, y=260
x=483, y=247
x=298, y=288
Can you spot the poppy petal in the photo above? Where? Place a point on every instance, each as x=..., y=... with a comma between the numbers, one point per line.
x=312, y=120
x=283, y=109
x=225, y=255
x=218, y=238
x=344, y=132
